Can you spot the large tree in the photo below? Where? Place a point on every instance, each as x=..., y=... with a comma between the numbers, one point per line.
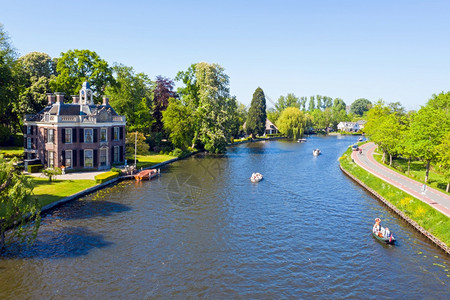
x=256, y=118
x=131, y=96
x=359, y=106
x=16, y=203
x=76, y=66
x=292, y=122
x=177, y=120
x=161, y=94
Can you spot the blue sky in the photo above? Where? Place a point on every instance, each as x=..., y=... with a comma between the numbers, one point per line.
x=390, y=50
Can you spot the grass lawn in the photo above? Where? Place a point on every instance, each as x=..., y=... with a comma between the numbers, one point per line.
x=417, y=172
x=149, y=160
x=48, y=192
x=10, y=151
x=429, y=218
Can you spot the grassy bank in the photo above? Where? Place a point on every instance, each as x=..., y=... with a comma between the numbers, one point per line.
x=430, y=219
x=145, y=161
x=417, y=172
x=47, y=192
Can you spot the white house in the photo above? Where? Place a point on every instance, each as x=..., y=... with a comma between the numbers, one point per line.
x=349, y=126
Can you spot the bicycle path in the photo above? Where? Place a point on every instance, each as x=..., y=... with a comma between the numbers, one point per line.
x=431, y=196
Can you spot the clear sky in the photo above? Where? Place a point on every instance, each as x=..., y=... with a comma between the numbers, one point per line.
x=391, y=50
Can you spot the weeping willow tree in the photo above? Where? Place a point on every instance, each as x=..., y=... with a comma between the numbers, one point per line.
x=19, y=211
x=292, y=123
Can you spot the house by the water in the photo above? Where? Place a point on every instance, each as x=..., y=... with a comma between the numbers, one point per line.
x=77, y=135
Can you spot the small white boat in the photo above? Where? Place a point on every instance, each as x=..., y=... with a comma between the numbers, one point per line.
x=301, y=141
x=360, y=139
x=256, y=177
x=316, y=152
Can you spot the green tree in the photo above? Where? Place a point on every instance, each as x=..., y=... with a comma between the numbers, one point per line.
x=16, y=202
x=429, y=126
x=138, y=139
x=257, y=115
x=443, y=158
x=284, y=102
x=51, y=172
x=359, y=106
x=319, y=101
x=302, y=103
x=77, y=66
x=177, y=120
x=292, y=123
x=131, y=96
x=311, y=103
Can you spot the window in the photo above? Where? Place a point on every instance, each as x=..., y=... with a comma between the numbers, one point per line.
x=116, y=154
x=88, y=135
x=103, y=136
x=28, y=129
x=51, y=158
x=68, y=137
x=88, y=159
x=103, y=157
x=116, y=133
x=68, y=162
x=51, y=136
x=29, y=143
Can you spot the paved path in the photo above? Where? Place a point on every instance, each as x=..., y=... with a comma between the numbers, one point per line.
x=433, y=197
x=71, y=176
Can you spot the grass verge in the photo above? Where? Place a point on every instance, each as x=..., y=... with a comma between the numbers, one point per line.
x=47, y=192
x=145, y=161
x=429, y=218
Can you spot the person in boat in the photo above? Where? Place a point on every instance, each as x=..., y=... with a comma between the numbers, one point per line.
x=377, y=227
x=387, y=233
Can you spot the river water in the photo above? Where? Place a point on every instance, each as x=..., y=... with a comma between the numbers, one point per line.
x=203, y=230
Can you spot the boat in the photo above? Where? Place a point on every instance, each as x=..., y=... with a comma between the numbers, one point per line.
x=360, y=139
x=301, y=141
x=256, y=177
x=146, y=174
x=316, y=152
x=387, y=240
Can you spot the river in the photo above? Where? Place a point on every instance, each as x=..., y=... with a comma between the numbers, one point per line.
x=203, y=230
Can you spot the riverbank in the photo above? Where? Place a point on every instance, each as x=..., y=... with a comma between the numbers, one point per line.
x=427, y=220
x=250, y=140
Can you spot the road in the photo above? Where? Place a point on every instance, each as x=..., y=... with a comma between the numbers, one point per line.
x=433, y=197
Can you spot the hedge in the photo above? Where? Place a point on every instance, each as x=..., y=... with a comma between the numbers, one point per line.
x=104, y=177
x=35, y=168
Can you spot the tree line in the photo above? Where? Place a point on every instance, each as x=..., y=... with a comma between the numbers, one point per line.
x=423, y=135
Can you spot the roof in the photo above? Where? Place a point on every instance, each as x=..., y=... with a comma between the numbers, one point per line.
x=71, y=109
x=270, y=125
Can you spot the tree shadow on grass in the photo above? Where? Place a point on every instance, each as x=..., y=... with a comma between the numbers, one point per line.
x=62, y=242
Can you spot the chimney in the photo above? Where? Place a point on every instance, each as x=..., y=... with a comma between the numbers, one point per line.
x=60, y=98
x=75, y=99
x=51, y=98
x=105, y=100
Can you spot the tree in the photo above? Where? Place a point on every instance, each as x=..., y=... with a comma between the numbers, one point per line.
x=138, y=138
x=131, y=96
x=177, y=120
x=311, y=103
x=319, y=101
x=359, y=106
x=428, y=128
x=302, y=103
x=51, y=172
x=292, y=123
x=37, y=69
x=77, y=66
x=256, y=119
x=161, y=94
x=289, y=101
x=443, y=158
x=339, y=104
x=16, y=203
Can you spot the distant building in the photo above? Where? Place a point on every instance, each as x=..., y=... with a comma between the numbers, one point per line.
x=349, y=126
x=271, y=128
x=79, y=135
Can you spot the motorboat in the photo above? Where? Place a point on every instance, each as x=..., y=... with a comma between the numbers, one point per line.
x=256, y=177
x=301, y=141
x=316, y=152
x=147, y=174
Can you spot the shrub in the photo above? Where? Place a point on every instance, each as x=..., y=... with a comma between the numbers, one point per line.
x=116, y=170
x=177, y=152
x=104, y=177
x=35, y=168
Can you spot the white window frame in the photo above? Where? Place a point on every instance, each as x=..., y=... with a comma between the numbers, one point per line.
x=51, y=159
x=101, y=134
x=68, y=166
x=116, y=133
x=68, y=132
x=86, y=130
x=104, y=163
x=92, y=158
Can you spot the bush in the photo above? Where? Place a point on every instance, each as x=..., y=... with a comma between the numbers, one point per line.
x=116, y=170
x=35, y=168
x=104, y=177
x=177, y=152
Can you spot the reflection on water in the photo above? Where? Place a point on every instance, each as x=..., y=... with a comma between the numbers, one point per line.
x=203, y=229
